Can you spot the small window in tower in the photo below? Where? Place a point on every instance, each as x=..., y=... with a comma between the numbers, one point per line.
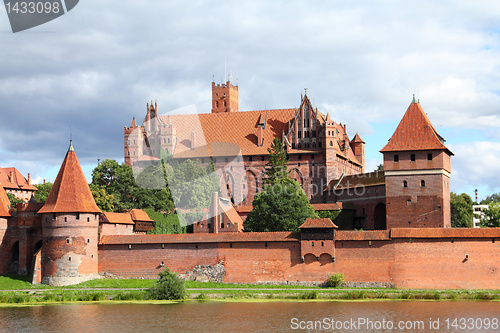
x=262, y=158
x=249, y=158
x=412, y=157
x=396, y=158
x=77, y=216
x=429, y=157
x=405, y=183
x=67, y=240
x=222, y=225
x=65, y=219
x=331, y=143
x=422, y=183
x=69, y=258
x=224, y=103
x=300, y=157
x=88, y=240
x=217, y=104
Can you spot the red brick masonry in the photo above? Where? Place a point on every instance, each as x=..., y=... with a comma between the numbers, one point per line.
x=410, y=258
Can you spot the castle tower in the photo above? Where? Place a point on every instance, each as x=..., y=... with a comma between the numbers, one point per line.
x=132, y=142
x=70, y=221
x=330, y=149
x=224, y=98
x=358, y=147
x=417, y=174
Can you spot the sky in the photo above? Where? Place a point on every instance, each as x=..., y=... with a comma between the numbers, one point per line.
x=86, y=74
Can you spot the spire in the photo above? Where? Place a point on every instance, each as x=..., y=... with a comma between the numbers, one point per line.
x=70, y=192
x=414, y=100
x=415, y=132
x=134, y=123
x=71, y=146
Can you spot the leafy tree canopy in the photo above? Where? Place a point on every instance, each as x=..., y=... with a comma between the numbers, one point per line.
x=491, y=215
x=43, y=191
x=461, y=210
x=13, y=200
x=282, y=206
x=276, y=168
x=495, y=197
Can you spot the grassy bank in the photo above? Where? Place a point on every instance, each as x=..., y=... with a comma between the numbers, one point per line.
x=95, y=291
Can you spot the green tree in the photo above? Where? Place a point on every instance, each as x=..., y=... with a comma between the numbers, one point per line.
x=276, y=168
x=164, y=223
x=491, y=215
x=13, y=200
x=380, y=167
x=103, y=200
x=282, y=206
x=495, y=197
x=461, y=210
x=168, y=287
x=43, y=191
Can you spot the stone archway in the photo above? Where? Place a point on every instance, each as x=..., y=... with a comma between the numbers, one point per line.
x=379, y=217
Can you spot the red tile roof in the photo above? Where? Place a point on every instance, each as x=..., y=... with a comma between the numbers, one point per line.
x=140, y=215
x=318, y=223
x=70, y=192
x=118, y=218
x=353, y=235
x=238, y=128
x=283, y=236
x=357, y=138
x=17, y=182
x=415, y=132
x=5, y=208
x=445, y=232
x=327, y=206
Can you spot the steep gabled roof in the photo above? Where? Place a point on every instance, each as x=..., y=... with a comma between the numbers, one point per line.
x=357, y=138
x=5, y=208
x=415, y=132
x=70, y=192
x=17, y=182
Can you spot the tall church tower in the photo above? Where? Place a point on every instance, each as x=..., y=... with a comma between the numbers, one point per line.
x=224, y=97
x=417, y=174
x=70, y=221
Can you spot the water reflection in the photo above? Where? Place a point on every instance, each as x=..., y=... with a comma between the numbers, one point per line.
x=236, y=317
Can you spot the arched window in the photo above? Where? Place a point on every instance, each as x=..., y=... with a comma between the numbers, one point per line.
x=405, y=183
x=422, y=183
x=331, y=143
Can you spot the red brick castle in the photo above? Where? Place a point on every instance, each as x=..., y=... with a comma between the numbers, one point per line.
x=61, y=241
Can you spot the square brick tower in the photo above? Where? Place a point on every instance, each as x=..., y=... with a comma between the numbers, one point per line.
x=224, y=97
x=417, y=174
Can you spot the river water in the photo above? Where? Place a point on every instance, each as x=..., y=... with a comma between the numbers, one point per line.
x=272, y=316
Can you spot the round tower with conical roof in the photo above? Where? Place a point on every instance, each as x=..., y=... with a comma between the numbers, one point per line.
x=70, y=221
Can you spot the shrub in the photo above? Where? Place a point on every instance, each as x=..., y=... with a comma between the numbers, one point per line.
x=169, y=287
x=336, y=280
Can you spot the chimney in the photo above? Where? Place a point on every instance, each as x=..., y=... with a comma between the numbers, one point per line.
x=29, y=178
x=192, y=140
x=260, y=136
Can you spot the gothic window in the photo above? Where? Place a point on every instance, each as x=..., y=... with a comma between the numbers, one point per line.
x=405, y=183
x=422, y=183
x=299, y=135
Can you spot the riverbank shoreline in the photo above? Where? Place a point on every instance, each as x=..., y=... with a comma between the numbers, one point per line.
x=16, y=290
